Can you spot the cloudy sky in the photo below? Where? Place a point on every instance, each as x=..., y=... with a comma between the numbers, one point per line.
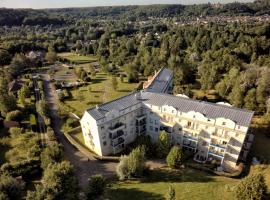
x=84, y=3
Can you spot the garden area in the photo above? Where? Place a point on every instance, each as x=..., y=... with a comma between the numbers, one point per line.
x=100, y=90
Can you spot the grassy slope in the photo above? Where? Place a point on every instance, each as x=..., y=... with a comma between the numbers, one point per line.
x=188, y=184
x=73, y=57
x=89, y=99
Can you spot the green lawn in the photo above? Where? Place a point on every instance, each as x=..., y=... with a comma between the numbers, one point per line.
x=188, y=184
x=76, y=58
x=84, y=99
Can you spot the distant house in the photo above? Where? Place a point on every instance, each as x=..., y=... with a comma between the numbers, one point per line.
x=36, y=55
x=14, y=86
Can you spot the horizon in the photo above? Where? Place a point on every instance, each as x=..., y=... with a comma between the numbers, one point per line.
x=32, y=4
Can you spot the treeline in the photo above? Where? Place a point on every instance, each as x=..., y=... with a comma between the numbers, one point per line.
x=43, y=17
x=18, y=17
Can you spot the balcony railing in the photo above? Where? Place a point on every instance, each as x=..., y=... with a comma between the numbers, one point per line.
x=117, y=127
x=218, y=145
x=216, y=153
x=141, y=117
x=119, y=142
x=117, y=134
x=140, y=123
x=189, y=137
x=189, y=146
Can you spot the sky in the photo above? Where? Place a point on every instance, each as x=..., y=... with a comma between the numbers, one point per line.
x=88, y=3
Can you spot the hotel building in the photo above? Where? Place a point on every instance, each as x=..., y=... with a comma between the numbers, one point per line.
x=214, y=132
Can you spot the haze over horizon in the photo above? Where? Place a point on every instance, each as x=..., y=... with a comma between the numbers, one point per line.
x=91, y=3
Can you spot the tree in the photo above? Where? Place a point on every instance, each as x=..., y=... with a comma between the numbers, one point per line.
x=171, y=193
x=236, y=96
x=250, y=99
x=59, y=182
x=10, y=188
x=175, y=157
x=43, y=108
x=132, y=165
x=163, y=144
x=251, y=187
x=51, y=55
x=96, y=186
x=5, y=57
x=114, y=83
x=51, y=154
x=18, y=64
x=15, y=115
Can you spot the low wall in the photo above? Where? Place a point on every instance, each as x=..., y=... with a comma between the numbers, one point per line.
x=84, y=149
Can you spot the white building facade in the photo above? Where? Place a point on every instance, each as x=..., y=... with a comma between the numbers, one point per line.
x=213, y=132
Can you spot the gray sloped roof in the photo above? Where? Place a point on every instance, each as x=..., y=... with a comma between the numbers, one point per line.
x=210, y=110
x=117, y=104
x=161, y=81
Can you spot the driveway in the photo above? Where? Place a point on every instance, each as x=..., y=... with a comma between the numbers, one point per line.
x=84, y=166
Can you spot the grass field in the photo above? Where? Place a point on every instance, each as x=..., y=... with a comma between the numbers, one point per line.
x=83, y=98
x=188, y=184
x=75, y=58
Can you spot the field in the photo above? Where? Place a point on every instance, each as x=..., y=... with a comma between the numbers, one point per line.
x=77, y=59
x=188, y=184
x=99, y=91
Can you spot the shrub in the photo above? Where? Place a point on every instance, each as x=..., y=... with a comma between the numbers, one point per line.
x=87, y=79
x=10, y=188
x=15, y=115
x=163, y=145
x=174, y=158
x=15, y=131
x=251, y=187
x=96, y=186
x=132, y=165
x=170, y=194
x=122, y=168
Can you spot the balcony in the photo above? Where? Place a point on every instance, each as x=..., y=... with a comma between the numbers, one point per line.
x=117, y=134
x=141, y=130
x=141, y=117
x=117, y=127
x=190, y=137
x=216, y=153
x=189, y=146
x=141, y=122
x=119, y=141
x=218, y=145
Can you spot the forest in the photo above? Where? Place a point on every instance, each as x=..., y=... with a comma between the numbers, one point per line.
x=17, y=17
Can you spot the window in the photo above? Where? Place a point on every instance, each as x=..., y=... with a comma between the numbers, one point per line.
x=238, y=127
x=151, y=128
x=189, y=124
x=172, y=111
x=223, y=123
x=104, y=143
x=151, y=121
x=156, y=122
x=102, y=127
x=224, y=142
x=164, y=109
x=156, y=129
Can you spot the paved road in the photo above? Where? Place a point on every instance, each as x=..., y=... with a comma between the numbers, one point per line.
x=84, y=166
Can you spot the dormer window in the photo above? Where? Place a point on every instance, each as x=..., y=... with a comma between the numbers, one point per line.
x=223, y=123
